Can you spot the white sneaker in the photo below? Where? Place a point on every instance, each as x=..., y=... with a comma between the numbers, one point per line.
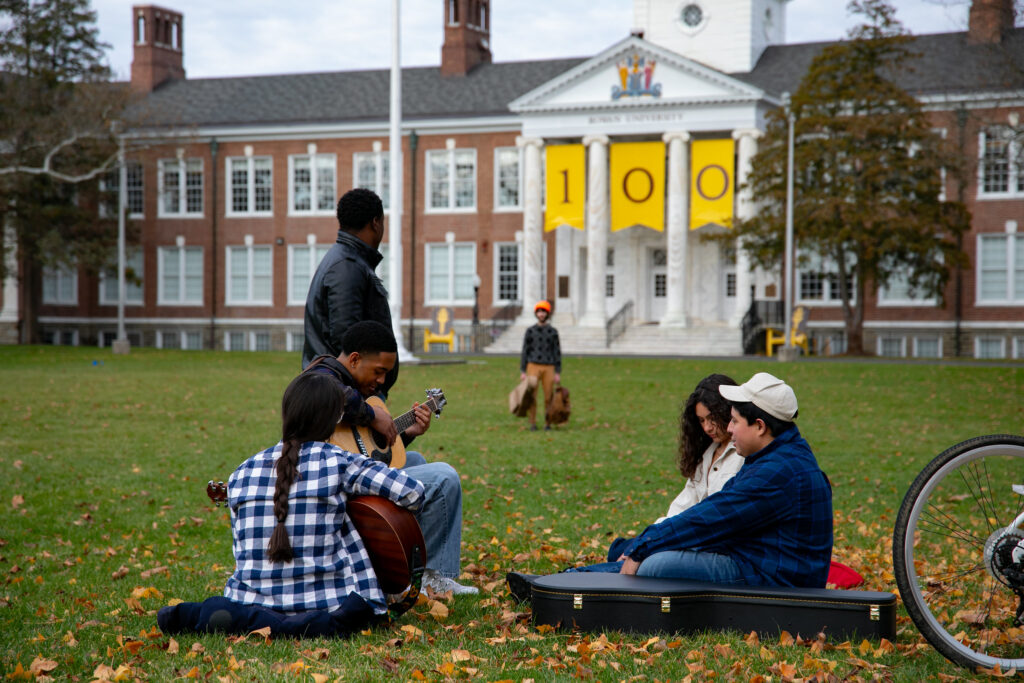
x=443, y=584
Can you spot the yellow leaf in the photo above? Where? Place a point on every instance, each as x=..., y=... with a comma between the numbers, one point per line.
x=417, y=675
x=438, y=610
x=319, y=678
x=172, y=647
x=865, y=647
x=785, y=639
x=19, y=674
x=461, y=656
x=147, y=592
x=446, y=669
x=752, y=638
x=412, y=631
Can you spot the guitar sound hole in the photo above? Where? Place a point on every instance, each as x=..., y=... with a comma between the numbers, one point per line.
x=379, y=441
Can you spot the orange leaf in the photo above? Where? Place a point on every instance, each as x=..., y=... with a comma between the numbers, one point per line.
x=417, y=675
x=172, y=647
x=19, y=674
x=752, y=638
x=17, y=501
x=785, y=639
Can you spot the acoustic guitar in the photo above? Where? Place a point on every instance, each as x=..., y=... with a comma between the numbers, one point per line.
x=369, y=442
x=390, y=533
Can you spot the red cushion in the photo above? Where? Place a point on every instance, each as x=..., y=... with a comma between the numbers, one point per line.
x=841, y=576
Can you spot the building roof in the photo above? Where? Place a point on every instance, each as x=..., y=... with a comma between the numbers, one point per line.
x=945, y=64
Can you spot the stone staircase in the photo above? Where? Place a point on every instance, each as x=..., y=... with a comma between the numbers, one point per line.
x=700, y=339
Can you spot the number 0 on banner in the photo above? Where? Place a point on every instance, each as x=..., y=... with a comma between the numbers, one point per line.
x=637, y=185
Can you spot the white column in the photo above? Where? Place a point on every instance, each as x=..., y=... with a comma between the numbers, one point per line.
x=745, y=208
x=9, y=307
x=678, y=230
x=533, y=226
x=397, y=171
x=598, y=224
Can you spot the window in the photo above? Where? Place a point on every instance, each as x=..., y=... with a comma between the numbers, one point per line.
x=181, y=187
x=897, y=293
x=1001, y=269
x=248, y=277
x=892, y=346
x=928, y=347
x=829, y=343
x=312, y=188
x=260, y=341
x=508, y=178
x=132, y=280
x=1018, y=347
x=296, y=341
x=234, y=341
x=60, y=285
x=302, y=264
x=372, y=172
x=252, y=185
x=179, y=276
x=450, y=271
x=1001, y=172
x=451, y=179
x=192, y=340
x=730, y=284
x=989, y=347
x=60, y=337
x=819, y=283
x=168, y=339
x=609, y=285
x=133, y=191
x=507, y=271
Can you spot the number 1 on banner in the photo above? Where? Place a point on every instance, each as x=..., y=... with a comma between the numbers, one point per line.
x=565, y=186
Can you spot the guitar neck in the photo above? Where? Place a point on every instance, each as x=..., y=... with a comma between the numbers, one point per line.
x=406, y=420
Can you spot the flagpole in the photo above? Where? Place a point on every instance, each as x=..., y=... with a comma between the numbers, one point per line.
x=395, y=174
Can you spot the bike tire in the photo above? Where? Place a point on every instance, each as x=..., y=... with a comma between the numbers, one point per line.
x=915, y=521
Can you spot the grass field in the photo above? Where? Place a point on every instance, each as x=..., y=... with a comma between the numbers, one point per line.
x=104, y=519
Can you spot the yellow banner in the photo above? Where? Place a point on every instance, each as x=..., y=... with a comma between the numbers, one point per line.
x=637, y=185
x=713, y=183
x=565, y=183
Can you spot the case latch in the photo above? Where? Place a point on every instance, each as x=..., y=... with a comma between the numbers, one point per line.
x=577, y=601
x=666, y=605
x=875, y=613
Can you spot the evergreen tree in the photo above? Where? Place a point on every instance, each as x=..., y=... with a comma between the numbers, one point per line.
x=868, y=174
x=59, y=119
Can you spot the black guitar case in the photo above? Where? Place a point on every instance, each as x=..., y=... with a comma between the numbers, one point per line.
x=593, y=601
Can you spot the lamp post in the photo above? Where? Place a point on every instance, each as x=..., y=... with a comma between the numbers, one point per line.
x=476, y=313
x=121, y=344
x=787, y=352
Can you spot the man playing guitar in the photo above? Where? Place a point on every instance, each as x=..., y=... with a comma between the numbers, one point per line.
x=370, y=352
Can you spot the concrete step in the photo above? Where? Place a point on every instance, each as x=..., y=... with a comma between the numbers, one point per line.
x=648, y=340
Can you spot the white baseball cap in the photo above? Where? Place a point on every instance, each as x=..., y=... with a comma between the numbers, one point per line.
x=767, y=392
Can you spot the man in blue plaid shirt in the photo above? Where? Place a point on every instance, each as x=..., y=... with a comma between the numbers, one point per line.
x=771, y=525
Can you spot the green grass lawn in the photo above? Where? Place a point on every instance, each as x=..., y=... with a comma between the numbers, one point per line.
x=104, y=519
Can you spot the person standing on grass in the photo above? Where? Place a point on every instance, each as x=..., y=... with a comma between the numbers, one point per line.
x=541, y=358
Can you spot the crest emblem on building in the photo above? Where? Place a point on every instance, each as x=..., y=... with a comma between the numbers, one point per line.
x=635, y=75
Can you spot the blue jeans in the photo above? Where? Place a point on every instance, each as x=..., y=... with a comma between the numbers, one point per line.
x=694, y=565
x=413, y=459
x=440, y=517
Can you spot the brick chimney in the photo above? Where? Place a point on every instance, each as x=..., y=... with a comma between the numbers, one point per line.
x=158, y=39
x=989, y=21
x=467, y=36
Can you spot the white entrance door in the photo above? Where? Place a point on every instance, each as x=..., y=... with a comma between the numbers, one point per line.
x=657, y=288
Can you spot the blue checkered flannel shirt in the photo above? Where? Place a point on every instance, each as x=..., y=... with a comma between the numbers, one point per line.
x=774, y=519
x=330, y=559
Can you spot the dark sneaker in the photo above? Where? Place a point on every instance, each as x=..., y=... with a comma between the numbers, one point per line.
x=533, y=428
x=520, y=585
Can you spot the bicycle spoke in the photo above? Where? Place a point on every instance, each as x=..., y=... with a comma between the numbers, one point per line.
x=977, y=497
x=956, y=530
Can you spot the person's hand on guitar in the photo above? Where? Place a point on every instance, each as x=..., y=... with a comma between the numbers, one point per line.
x=629, y=566
x=385, y=425
x=422, y=412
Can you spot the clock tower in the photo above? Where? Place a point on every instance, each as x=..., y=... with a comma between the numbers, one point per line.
x=728, y=35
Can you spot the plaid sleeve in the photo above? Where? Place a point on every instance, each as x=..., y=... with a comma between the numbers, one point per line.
x=365, y=476
x=756, y=499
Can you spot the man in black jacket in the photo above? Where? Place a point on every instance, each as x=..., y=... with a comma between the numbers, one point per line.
x=345, y=290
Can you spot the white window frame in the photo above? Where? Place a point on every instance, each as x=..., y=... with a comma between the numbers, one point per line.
x=227, y=340
x=161, y=297
x=1018, y=347
x=1014, y=160
x=295, y=341
x=496, y=273
x=250, y=250
x=62, y=276
x=921, y=337
x=253, y=334
x=824, y=268
x=451, y=151
x=182, y=173
x=885, y=300
x=380, y=181
x=110, y=182
x=429, y=299
x=314, y=184
x=518, y=206
x=129, y=299
x=160, y=341
x=297, y=298
x=1011, y=266
x=229, y=196
x=988, y=337
x=882, y=338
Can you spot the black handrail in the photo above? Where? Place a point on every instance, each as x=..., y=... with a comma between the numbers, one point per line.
x=618, y=323
x=760, y=316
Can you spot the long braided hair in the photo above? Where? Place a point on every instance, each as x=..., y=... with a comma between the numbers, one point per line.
x=693, y=441
x=310, y=409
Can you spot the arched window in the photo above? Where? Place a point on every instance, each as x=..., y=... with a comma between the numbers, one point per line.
x=176, y=35
x=483, y=15
x=140, y=30
x=453, y=11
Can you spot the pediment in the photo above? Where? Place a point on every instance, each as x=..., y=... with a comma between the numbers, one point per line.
x=635, y=73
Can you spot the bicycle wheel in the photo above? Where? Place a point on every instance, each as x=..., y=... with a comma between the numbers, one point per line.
x=958, y=561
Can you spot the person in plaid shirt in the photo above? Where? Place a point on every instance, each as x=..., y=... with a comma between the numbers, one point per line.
x=295, y=548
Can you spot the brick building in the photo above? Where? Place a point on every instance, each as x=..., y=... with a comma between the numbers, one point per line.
x=234, y=182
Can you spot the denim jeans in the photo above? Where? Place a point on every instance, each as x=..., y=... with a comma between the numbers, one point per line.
x=440, y=517
x=413, y=459
x=694, y=565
